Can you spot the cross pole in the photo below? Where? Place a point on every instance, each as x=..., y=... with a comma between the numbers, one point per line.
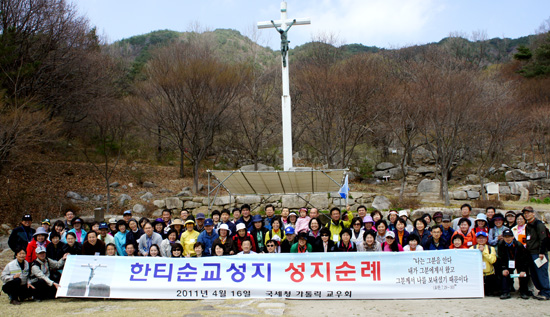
x=282, y=26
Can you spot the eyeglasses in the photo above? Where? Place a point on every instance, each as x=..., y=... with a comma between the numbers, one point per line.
x=357, y=224
x=270, y=245
x=325, y=235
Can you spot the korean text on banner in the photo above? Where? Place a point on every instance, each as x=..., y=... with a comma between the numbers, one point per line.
x=361, y=275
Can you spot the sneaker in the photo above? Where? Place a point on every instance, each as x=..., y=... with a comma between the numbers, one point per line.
x=537, y=297
x=543, y=298
x=524, y=296
x=15, y=302
x=505, y=296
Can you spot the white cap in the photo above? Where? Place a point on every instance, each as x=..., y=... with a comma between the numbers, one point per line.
x=241, y=226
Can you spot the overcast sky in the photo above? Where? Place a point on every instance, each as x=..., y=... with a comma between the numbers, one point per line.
x=382, y=23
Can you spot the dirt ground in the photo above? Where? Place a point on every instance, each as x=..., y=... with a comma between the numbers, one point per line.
x=268, y=307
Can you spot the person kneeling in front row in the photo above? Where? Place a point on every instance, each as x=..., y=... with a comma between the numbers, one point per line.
x=15, y=278
x=44, y=287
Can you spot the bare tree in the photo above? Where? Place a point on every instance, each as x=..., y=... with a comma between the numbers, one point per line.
x=106, y=127
x=21, y=128
x=450, y=92
x=404, y=119
x=339, y=102
x=49, y=54
x=189, y=91
x=497, y=122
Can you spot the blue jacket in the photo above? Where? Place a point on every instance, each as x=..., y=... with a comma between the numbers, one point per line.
x=120, y=243
x=249, y=225
x=424, y=239
x=207, y=240
x=447, y=234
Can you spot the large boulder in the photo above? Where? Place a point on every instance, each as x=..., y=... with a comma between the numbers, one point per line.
x=159, y=203
x=515, y=186
x=138, y=209
x=249, y=200
x=191, y=205
x=384, y=166
x=524, y=194
x=429, y=186
x=149, y=185
x=505, y=190
x=122, y=199
x=320, y=201
x=396, y=172
x=147, y=197
x=516, y=175
x=459, y=195
x=173, y=203
x=224, y=200
x=381, y=203
x=381, y=174
x=293, y=201
x=473, y=194
x=73, y=195
x=425, y=170
x=537, y=175
x=185, y=193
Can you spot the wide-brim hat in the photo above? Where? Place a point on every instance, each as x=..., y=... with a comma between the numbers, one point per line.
x=257, y=218
x=179, y=222
x=40, y=230
x=224, y=226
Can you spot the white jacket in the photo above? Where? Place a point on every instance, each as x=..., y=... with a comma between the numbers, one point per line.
x=166, y=248
x=13, y=268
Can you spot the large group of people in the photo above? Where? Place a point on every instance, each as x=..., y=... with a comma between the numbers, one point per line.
x=512, y=245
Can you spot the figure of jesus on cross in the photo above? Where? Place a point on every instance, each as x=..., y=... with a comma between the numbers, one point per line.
x=282, y=26
x=92, y=268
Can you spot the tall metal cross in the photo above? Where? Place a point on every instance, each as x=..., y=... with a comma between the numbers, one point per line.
x=282, y=26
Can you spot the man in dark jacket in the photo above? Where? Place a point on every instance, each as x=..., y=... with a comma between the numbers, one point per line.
x=436, y=242
x=246, y=218
x=512, y=256
x=535, y=231
x=21, y=236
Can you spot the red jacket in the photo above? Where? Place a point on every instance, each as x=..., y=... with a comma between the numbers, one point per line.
x=31, y=250
x=237, y=242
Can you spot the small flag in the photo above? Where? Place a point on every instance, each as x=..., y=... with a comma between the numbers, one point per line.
x=344, y=189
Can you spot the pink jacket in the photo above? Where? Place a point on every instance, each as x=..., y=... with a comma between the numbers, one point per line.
x=302, y=224
x=387, y=248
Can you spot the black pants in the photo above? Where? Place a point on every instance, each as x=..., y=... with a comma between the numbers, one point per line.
x=508, y=282
x=491, y=285
x=15, y=290
x=43, y=290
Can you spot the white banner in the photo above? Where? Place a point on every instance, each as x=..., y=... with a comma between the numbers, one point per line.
x=358, y=275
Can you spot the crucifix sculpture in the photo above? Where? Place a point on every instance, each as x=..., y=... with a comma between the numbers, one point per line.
x=92, y=268
x=282, y=26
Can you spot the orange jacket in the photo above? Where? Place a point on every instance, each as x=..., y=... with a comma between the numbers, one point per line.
x=469, y=239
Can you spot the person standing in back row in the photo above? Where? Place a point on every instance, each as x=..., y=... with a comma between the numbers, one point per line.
x=21, y=236
x=536, y=245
